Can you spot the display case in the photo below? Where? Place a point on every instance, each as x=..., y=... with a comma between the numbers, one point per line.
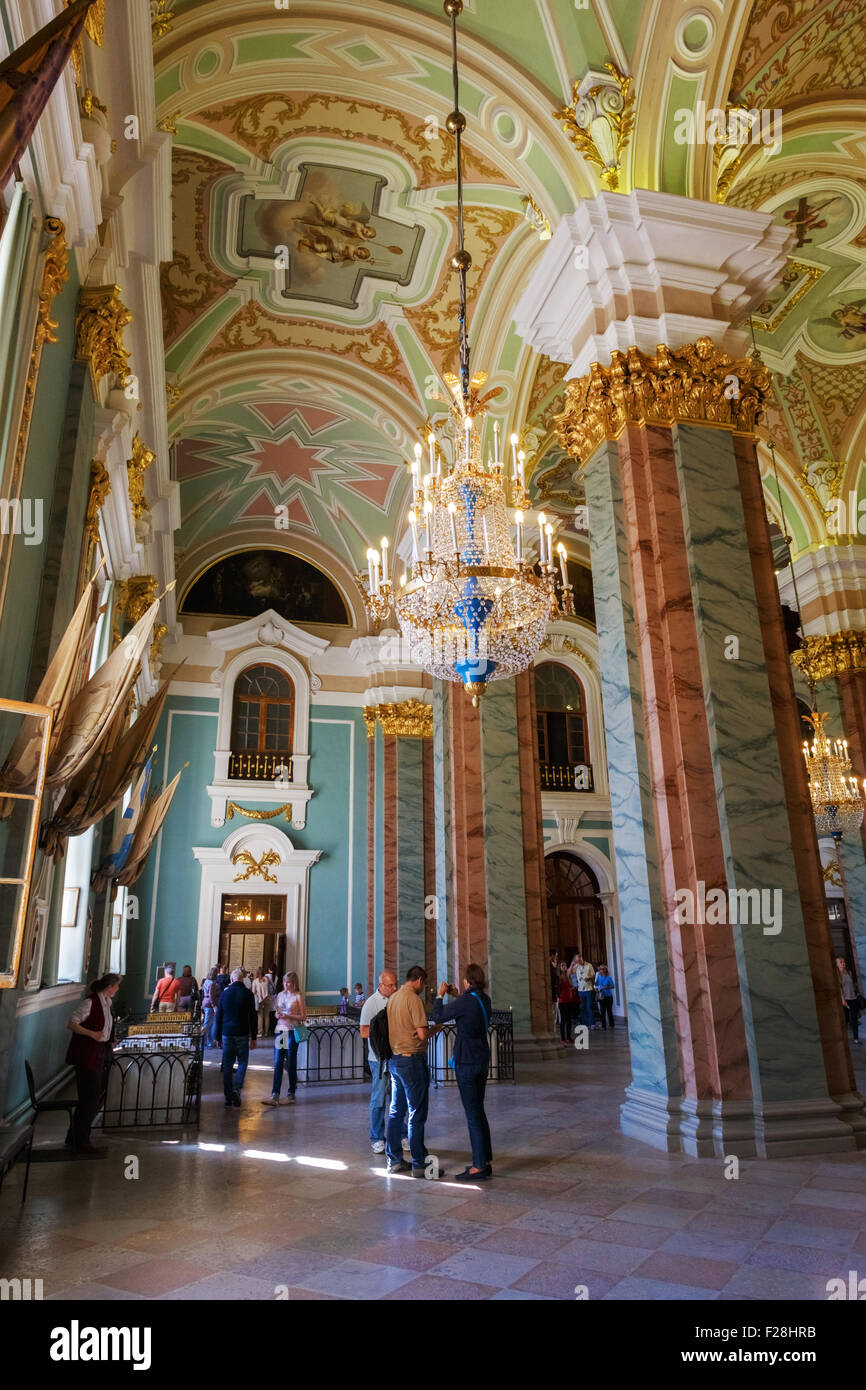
x=154, y=1080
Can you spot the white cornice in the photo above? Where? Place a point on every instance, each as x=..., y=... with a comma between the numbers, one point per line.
x=268, y=629
x=620, y=269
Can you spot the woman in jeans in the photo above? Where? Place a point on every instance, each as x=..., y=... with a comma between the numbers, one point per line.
x=850, y=996
x=566, y=998
x=210, y=993
x=472, y=1011
x=291, y=1013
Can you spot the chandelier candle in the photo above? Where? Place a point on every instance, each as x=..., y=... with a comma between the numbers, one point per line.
x=518, y=519
x=520, y=457
x=434, y=465
x=496, y=458
x=452, y=514
x=384, y=559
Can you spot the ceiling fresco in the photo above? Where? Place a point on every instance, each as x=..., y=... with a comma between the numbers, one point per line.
x=310, y=311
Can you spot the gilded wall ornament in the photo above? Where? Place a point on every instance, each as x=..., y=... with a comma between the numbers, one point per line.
x=94, y=28
x=136, y=467
x=555, y=642
x=256, y=868
x=255, y=815
x=100, y=487
x=133, y=598
x=161, y=18
x=836, y=655
x=599, y=120
x=535, y=217
x=698, y=383
x=408, y=719
x=822, y=482
x=101, y=319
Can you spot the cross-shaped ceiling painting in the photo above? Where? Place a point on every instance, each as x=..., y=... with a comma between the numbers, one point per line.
x=310, y=310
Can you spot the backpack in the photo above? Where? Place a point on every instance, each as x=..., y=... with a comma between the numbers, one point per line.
x=380, y=1043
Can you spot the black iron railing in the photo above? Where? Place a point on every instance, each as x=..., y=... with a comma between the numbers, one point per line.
x=565, y=777
x=154, y=1080
x=260, y=767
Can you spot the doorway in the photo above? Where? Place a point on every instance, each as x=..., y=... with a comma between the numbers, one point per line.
x=253, y=932
x=575, y=914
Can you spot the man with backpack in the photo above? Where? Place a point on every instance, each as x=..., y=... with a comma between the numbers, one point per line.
x=374, y=1027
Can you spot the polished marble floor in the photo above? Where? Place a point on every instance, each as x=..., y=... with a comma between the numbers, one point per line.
x=263, y=1203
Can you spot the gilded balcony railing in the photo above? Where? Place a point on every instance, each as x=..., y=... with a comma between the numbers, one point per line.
x=260, y=767
x=565, y=777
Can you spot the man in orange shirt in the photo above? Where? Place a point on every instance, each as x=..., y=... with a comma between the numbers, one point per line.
x=166, y=994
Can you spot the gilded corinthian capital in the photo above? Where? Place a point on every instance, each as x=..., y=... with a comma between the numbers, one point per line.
x=698, y=383
x=408, y=719
x=101, y=319
x=823, y=657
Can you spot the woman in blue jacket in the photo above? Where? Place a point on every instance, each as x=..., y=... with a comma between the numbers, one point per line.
x=472, y=1011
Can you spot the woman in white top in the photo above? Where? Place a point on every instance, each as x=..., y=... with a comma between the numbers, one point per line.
x=262, y=996
x=291, y=1013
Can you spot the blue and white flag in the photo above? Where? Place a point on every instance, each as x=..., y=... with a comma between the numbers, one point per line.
x=122, y=843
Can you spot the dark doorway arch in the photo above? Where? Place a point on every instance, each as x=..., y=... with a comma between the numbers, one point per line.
x=575, y=914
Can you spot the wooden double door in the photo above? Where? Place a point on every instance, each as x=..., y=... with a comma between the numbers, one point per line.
x=575, y=914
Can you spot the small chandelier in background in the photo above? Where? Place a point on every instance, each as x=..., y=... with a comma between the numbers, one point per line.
x=836, y=798
x=472, y=607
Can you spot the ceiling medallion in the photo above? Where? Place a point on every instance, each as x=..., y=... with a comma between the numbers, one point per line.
x=473, y=609
x=698, y=383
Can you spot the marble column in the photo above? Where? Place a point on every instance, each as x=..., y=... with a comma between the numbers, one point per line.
x=737, y=1039
x=400, y=836
x=490, y=850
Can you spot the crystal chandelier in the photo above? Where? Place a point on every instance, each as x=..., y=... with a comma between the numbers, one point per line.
x=473, y=606
x=837, y=804
x=836, y=799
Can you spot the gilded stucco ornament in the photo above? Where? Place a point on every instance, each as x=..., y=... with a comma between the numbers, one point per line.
x=256, y=868
x=698, y=383
x=101, y=319
x=822, y=482
x=407, y=719
x=136, y=467
x=836, y=655
x=134, y=597
x=255, y=815
x=599, y=120
x=100, y=487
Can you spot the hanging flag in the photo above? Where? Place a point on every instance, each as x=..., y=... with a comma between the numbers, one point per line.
x=129, y=823
x=57, y=689
x=95, y=706
x=27, y=79
x=148, y=829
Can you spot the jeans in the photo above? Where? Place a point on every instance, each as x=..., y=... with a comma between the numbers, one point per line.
x=264, y=1013
x=380, y=1100
x=209, y=1026
x=606, y=1010
x=471, y=1083
x=409, y=1092
x=285, y=1056
x=853, y=1018
x=235, y=1050
x=585, y=996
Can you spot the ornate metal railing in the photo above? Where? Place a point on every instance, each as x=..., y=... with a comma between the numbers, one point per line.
x=154, y=1080
x=335, y=1051
x=500, y=1038
x=260, y=767
x=565, y=777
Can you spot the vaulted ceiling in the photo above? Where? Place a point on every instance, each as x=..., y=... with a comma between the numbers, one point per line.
x=310, y=311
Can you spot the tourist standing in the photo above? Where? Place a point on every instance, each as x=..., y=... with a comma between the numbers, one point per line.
x=272, y=990
x=583, y=978
x=472, y=1011
x=343, y=1006
x=167, y=993
x=408, y=1032
x=850, y=998
x=262, y=996
x=291, y=1013
x=223, y=978
x=360, y=998
x=565, y=1000
x=236, y=1024
x=604, y=986
x=210, y=993
x=188, y=990
x=380, y=1088
x=92, y=1027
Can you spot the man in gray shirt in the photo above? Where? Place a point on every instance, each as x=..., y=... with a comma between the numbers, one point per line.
x=380, y=1090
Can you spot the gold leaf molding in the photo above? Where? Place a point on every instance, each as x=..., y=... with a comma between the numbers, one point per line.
x=408, y=719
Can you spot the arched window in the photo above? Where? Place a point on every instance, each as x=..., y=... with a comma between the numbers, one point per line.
x=262, y=724
x=563, y=749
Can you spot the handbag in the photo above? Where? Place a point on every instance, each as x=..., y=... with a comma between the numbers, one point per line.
x=486, y=1019
x=301, y=1032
